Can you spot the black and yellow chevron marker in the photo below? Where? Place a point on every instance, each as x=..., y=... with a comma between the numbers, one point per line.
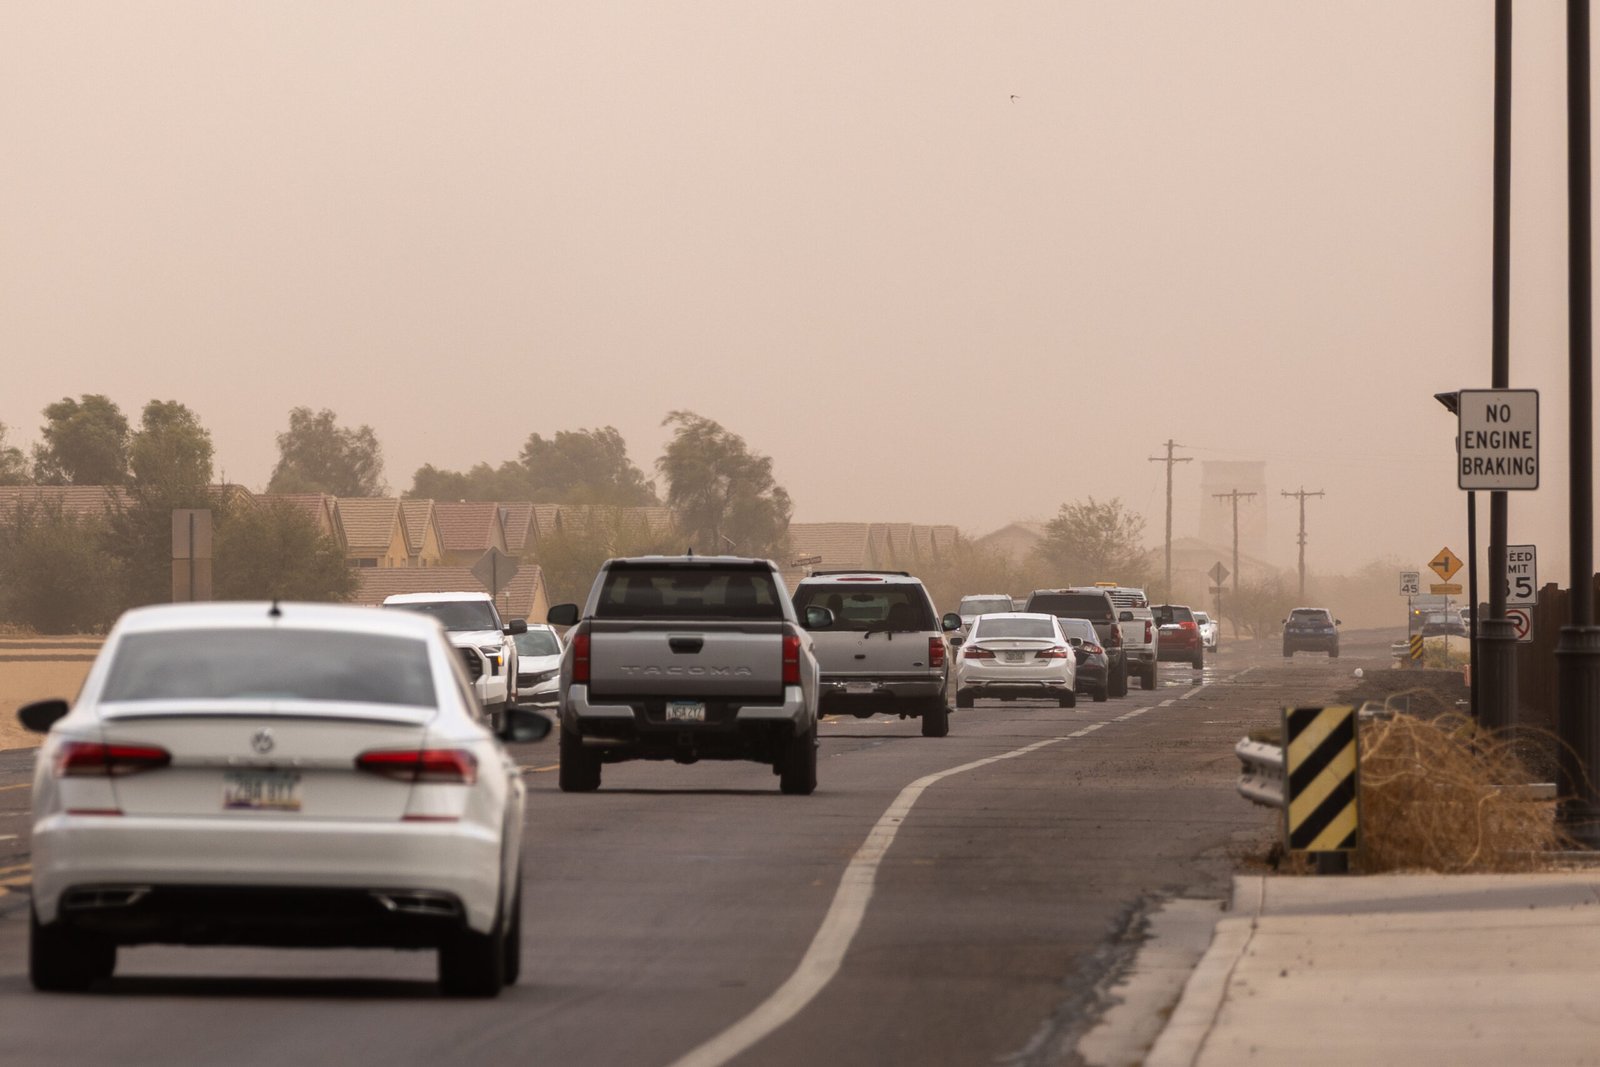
x=1416, y=647
x=1320, y=767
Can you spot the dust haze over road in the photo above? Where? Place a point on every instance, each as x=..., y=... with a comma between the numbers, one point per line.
x=1260, y=229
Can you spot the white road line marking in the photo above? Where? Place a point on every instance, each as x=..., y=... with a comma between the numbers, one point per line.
x=1136, y=712
x=826, y=953
x=1192, y=692
x=8, y=837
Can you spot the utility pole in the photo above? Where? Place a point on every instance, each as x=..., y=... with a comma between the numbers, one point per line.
x=1302, y=494
x=1169, y=459
x=1235, y=496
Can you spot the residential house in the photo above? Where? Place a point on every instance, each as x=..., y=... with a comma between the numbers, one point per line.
x=374, y=532
x=424, y=539
x=321, y=508
x=468, y=529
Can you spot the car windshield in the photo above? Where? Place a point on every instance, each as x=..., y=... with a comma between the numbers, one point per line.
x=271, y=664
x=459, y=615
x=659, y=592
x=538, y=643
x=991, y=628
x=1095, y=607
x=984, y=605
x=869, y=606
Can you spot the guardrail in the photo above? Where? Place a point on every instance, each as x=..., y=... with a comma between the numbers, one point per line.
x=1261, y=780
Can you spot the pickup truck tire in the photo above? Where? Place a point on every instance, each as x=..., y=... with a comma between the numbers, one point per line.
x=935, y=718
x=1147, y=676
x=797, y=769
x=580, y=770
x=1118, y=685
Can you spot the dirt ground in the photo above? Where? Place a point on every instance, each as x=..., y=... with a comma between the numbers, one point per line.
x=21, y=683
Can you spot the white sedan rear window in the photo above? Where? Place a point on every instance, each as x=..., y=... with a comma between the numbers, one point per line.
x=991, y=628
x=266, y=664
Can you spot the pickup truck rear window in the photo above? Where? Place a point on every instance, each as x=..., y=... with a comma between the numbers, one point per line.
x=636, y=592
x=1096, y=607
x=895, y=608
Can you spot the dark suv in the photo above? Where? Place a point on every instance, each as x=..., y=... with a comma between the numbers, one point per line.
x=1311, y=630
x=1096, y=607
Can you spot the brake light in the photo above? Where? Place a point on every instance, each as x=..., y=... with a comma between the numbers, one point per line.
x=977, y=652
x=1051, y=653
x=936, y=652
x=1187, y=626
x=1149, y=632
x=90, y=759
x=1094, y=650
x=580, y=659
x=791, y=659
x=1116, y=638
x=421, y=765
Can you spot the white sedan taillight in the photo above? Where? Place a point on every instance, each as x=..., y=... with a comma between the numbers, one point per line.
x=91, y=759
x=421, y=765
x=1053, y=653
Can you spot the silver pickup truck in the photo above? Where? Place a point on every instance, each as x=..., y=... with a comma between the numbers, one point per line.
x=687, y=658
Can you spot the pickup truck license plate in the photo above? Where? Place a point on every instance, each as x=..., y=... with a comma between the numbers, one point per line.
x=858, y=687
x=686, y=711
x=261, y=790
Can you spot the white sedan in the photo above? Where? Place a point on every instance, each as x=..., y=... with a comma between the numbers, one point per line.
x=1016, y=654
x=1208, y=630
x=296, y=775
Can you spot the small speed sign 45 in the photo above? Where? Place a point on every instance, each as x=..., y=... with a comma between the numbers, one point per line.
x=1522, y=574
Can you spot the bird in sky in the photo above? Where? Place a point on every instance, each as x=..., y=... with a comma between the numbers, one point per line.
x=1013, y=98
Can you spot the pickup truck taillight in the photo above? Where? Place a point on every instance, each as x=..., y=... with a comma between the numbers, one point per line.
x=580, y=659
x=1149, y=632
x=791, y=659
x=1114, y=638
x=936, y=652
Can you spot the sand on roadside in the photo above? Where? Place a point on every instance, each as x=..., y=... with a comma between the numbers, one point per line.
x=22, y=683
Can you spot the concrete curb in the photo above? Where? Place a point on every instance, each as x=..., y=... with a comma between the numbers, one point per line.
x=1186, y=1031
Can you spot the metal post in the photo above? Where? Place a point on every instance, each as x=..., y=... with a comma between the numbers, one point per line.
x=1235, y=496
x=1472, y=600
x=1494, y=643
x=1302, y=494
x=1169, y=459
x=191, y=556
x=1578, y=650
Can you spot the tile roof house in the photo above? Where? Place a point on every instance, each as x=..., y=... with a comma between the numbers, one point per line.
x=468, y=529
x=79, y=501
x=523, y=598
x=322, y=508
x=375, y=532
x=423, y=536
x=517, y=516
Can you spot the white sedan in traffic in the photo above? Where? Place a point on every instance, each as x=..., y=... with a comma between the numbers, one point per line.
x=295, y=775
x=1015, y=654
x=1209, y=630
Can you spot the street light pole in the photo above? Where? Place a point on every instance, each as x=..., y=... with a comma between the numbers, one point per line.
x=1578, y=650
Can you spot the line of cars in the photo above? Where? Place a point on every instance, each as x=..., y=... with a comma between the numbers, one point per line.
x=1113, y=633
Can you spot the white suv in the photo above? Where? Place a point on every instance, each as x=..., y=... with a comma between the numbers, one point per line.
x=484, y=642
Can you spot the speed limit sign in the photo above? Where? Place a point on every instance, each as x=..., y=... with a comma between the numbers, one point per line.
x=1522, y=574
x=1410, y=583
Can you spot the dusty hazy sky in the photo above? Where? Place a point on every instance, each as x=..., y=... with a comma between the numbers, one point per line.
x=1259, y=227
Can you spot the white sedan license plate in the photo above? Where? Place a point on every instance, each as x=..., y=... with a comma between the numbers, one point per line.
x=686, y=711
x=1014, y=657
x=261, y=791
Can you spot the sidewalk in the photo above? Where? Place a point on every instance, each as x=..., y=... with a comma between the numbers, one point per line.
x=1396, y=969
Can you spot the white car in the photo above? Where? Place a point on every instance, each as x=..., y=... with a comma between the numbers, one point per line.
x=1208, y=630
x=538, y=666
x=982, y=604
x=1017, y=654
x=295, y=775
x=487, y=649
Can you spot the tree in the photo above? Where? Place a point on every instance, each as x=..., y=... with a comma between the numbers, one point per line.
x=277, y=552
x=1089, y=541
x=584, y=467
x=968, y=567
x=569, y=560
x=55, y=575
x=13, y=464
x=573, y=467
x=723, y=494
x=316, y=455
x=1260, y=606
x=170, y=457
x=171, y=450
x=85, y=442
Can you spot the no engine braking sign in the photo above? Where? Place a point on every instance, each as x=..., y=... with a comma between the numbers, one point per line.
x=1497, y=441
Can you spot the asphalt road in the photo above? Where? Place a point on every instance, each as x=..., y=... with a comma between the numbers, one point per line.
x=671, y=905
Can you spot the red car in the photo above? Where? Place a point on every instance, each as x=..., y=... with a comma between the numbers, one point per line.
x=1178, y=635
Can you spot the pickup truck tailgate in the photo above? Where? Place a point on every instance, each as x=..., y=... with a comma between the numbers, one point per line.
x=703, y=660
